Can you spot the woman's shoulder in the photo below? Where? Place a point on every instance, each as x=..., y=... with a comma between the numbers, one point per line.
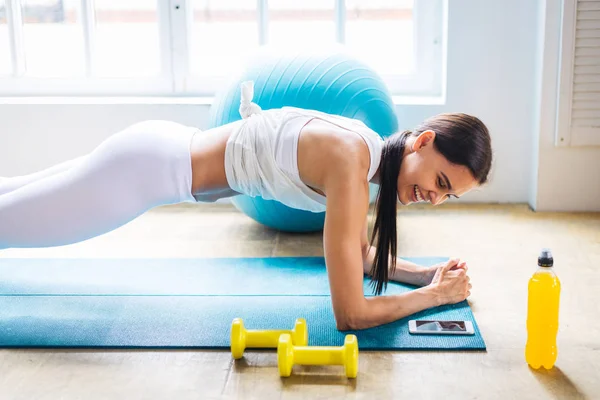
x=323, y=115
x=338, y=147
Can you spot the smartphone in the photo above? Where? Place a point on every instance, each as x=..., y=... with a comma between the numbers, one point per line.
x=433, y=327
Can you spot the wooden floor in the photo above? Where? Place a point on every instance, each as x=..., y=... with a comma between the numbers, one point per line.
x=500, y=244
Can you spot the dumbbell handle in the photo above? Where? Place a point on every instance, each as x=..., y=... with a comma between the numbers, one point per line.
x=265, y=338
x=322, y=355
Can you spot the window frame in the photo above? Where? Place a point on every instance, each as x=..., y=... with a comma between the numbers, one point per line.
x=175, y=79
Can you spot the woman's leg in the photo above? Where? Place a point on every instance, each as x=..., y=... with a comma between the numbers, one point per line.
x=13, y=183
x=141, y=167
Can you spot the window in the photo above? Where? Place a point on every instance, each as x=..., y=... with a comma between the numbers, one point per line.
x=234, y=23
x=125, y=39
x=190, y=47
x=402, y=40
x=5, y=65
x=52, y=43
x=301, y=23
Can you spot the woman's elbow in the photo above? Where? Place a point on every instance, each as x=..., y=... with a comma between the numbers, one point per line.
x=351, y=320
x=343, y=324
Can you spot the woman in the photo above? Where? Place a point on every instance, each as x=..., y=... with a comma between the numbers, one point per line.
x=302, y=158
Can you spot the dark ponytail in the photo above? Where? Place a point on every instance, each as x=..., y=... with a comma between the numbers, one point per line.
x=384, y=230
x=462, y=139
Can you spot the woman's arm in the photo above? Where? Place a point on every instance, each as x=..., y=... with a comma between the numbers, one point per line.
x=406, y=271
x=347, y=207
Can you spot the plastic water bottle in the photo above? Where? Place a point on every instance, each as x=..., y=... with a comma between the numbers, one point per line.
x=542, y=314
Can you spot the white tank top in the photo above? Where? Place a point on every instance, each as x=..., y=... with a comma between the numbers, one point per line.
x=261, y=155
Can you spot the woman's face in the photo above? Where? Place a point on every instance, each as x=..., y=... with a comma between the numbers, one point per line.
x=426, y=175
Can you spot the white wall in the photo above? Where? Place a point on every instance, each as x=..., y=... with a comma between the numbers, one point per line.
x=37, y=136
x=491, y=54
x=568, y=178
x=493, y=73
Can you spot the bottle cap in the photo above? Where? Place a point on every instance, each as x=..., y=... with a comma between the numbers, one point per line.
x=545, y=258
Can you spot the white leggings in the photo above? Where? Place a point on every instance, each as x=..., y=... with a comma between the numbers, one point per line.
x=144, y=166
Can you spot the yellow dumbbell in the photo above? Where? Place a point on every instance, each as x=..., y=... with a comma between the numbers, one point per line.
x=241, y=338
x=288, y=354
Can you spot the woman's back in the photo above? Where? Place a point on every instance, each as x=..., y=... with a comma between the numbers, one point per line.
x=281, y=154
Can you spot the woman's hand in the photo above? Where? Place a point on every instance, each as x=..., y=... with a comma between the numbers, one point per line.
x=427, y=273
x=450, y=282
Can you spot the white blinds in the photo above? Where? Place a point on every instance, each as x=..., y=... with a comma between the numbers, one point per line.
x=579, y=96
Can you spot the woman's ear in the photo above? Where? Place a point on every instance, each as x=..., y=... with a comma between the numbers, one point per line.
x=425, y=138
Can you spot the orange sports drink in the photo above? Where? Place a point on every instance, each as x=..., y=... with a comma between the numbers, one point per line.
x=542, y=314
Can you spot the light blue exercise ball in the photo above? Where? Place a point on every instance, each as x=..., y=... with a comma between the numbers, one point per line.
x=333, y=82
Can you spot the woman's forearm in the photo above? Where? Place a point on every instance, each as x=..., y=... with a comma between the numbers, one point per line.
x=406, y=271
x=379, y=310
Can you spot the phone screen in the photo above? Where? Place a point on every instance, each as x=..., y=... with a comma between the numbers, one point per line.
x=441, y=326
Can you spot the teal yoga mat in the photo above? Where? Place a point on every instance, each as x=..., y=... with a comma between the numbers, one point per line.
x=181, y=303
